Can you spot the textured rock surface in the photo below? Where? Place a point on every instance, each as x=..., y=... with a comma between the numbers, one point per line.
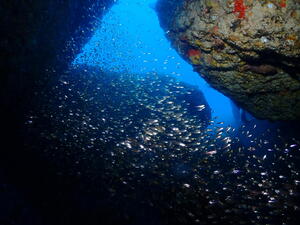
x=247, y=49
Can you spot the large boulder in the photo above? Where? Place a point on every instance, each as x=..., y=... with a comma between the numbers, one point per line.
x=247, y=49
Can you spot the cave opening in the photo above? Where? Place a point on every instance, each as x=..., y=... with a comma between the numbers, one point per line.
x=129, y=39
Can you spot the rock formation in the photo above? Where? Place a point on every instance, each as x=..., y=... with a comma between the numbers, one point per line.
x=247, y=49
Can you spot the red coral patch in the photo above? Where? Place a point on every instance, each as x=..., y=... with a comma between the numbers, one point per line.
x=193, y=52
x=240, y=8
x=282, y=3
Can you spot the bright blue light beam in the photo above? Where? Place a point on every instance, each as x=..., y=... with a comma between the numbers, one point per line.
x=130, y=39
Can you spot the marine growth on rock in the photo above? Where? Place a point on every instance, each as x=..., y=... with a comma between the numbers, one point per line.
x=240, y=8
x=250, y=50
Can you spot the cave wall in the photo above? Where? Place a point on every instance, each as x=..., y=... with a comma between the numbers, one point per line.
x=249, y=50
x=37, y=36
x=38, y=41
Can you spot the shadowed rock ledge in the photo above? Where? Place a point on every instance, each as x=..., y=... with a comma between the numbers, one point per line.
x=248, y=50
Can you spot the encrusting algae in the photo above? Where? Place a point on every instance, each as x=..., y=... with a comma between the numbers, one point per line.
x=194, y=55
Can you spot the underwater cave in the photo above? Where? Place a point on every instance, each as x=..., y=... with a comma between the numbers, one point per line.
x=150, y=112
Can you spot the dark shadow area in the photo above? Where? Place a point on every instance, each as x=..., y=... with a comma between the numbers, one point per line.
x=38, y=41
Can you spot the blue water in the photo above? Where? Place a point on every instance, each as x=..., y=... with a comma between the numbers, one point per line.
x=130, y=39
x=140, y=151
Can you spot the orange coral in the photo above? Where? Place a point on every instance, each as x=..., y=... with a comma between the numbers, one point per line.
x=239, y=8
x=193, y=52
x=194, y=55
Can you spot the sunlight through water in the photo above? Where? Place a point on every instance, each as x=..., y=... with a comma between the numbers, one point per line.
x=130, y=39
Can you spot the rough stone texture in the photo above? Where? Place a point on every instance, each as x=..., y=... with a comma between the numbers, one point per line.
x=247, y=49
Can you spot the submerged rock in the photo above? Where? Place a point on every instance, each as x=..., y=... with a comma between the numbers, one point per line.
x=248, y=50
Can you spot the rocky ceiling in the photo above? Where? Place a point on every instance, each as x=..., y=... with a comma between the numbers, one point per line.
x=247, y=49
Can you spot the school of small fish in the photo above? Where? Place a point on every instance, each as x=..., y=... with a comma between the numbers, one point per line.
x=137, y=134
